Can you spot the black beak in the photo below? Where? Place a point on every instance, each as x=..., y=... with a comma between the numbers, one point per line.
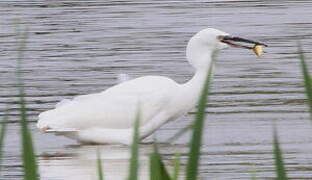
x=231, y=40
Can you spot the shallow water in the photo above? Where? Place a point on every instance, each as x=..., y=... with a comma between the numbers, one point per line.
x=79, y=47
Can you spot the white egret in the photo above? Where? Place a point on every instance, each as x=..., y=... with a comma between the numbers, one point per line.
x=108, y=116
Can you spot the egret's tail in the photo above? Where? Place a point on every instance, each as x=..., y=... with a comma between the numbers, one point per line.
x=46, y=128
x=47, y=124
x=42, y=125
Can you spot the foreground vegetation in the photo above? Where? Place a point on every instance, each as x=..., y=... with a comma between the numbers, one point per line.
x=158, y=169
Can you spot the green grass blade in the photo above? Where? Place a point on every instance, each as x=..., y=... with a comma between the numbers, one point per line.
x=134, y=164
x=253, y=175
x=99, y=165
x=306, y=78
x=158, y=169
x=29, y=158
x=192, y=164
x=28, y=154
x=3, y=130
x=278, y=156
x=176, y=167
x=2, y=135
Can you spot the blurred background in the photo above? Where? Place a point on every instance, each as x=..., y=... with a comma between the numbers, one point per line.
x=80, y=47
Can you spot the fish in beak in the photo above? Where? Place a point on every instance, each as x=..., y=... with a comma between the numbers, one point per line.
x=236, y=42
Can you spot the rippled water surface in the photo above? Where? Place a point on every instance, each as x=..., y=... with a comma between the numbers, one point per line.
x=79, y=47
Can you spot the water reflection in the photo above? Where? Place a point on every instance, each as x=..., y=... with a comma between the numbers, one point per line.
x=81, y=162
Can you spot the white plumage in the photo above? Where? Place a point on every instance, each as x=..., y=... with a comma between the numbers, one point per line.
x=108, y=116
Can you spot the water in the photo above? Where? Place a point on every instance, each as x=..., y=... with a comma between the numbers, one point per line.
x=77, y=47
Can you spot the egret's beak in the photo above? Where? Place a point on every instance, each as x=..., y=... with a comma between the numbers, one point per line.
x=232, y=41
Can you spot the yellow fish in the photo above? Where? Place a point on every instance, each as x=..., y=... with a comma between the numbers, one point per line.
x=257, y=49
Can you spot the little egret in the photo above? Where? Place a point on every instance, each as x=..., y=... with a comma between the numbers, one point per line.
x=109, y=116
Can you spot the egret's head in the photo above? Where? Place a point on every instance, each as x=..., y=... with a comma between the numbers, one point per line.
x=208, y=41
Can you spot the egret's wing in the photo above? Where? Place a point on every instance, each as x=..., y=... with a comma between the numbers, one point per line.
x=113, y=108
x=106, y=112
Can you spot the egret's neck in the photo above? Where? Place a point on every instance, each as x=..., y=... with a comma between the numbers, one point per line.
x=195, y=85
x=193, y=88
